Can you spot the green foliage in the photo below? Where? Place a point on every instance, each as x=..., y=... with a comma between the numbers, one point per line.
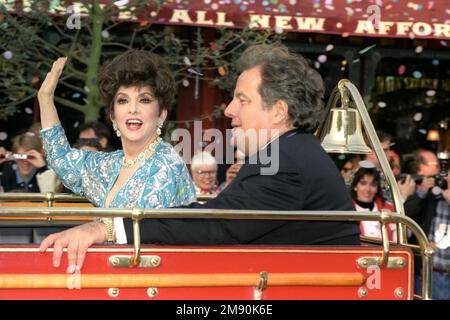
x=37, y=37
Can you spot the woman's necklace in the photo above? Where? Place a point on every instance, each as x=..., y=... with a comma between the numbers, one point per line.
x=142, y=155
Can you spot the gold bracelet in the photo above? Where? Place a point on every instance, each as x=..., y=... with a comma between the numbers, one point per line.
x=110, y=231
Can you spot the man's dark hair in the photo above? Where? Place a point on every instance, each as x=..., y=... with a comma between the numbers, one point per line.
x=384, y=136
x=287, y=76
x=100, y=129
x=136, y=68
x=373, y=172
x=417, y=160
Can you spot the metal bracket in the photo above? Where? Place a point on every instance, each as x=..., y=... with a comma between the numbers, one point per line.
x=127, y=262
x=262, y=284
x=392, y=262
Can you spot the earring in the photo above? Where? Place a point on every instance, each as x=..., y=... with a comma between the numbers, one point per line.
x=160, y=125
x=116, y=129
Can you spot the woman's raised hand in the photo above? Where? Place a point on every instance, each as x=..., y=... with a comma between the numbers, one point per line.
x=48, y=87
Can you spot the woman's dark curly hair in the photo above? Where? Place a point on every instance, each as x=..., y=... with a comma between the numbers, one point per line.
x=136, y=68
x=288, y=77
x=373, y=172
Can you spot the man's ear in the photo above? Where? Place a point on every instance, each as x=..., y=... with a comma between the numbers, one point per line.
x=280, y=112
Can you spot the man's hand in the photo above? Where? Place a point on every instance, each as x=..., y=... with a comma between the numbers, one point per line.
x=407, y=188
x=427, y=183
x=77, y=240
x=36, y=159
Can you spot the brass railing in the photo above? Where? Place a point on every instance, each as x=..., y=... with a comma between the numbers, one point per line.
x=137, y=214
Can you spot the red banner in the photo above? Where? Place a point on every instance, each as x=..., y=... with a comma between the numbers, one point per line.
x=374, y=18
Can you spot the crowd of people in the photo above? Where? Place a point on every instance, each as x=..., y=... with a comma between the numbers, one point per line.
x=276, y=91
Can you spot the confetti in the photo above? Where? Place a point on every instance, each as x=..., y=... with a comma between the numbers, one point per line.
x=322, y=58
x=207, y=1
x=339, y=25
x=214, y=6
x=317, y=64
x=430, y=93
x=401, y=69
x=292, y=2
x=423, y=131
x=367, y=49
x=417, y=74
x=121, y=3
x=329, y=47
x=345, y=35
x=443, y=43
x=76, y=95
x=435, y=62
x=185, y=83
x=418, y=116
x=28, y=110
x=8, y=55
x=105, y=34
x=278, y=30
x=76, y=124
x=187, y=61
x=193, y=71
x=35, y=80
x=3, y=136
x=418, y=49
x=213, y=45
x=382, y=104
x=221, y=71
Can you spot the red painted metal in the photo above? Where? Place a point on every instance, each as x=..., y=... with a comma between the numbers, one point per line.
x=210, y=260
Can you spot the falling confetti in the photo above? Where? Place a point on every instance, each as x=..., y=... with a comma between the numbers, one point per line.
x=278, y=30
x=329, y=47
x=435, y=62
x=428, y=100
x=417, y=74
x=401, y=69
x=418, y=116
x=121, y=3
x=382, y=104
x=214, y=6
x=28, y=110
x=339, y=25
x=105, y=34
x=76, y=124
x=367, y=49
x=193, y=71
x=7, y=55
x=431, y=93
x=221, y=71
x=185, y=83
x=418, y=49
x=443, y=43
x=3, y=136
x=322, y=58
x=76, y=95
x=317, y=64
x=423, y=131
x=187, y=61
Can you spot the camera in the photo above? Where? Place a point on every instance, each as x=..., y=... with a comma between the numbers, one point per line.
x=439, y=179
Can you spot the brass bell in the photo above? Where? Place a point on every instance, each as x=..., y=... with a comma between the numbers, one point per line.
x=342, y=132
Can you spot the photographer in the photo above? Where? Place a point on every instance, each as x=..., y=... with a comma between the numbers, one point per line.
x=429, y=207
x=25, y=169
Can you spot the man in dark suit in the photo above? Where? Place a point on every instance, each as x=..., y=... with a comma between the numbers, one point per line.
x=275, y=110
